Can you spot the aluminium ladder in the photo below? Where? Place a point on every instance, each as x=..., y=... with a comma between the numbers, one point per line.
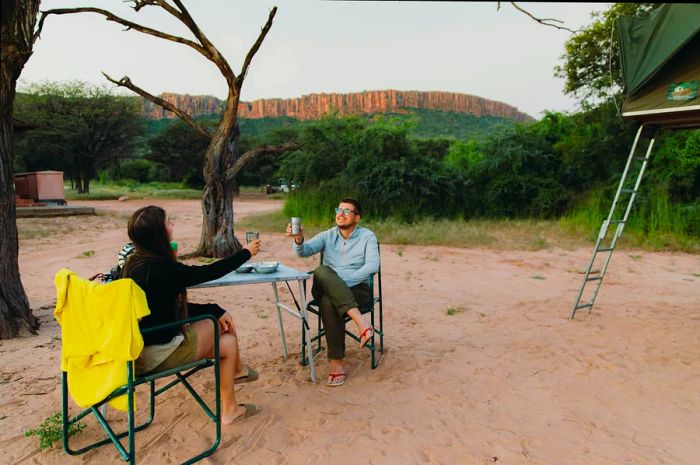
x=638, y=163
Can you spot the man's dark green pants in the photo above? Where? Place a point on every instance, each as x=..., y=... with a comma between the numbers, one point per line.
x=334, y=299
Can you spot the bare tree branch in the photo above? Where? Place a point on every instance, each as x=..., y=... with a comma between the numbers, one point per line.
x=164, y=5
x=250, y=154
x=138, y=4
x=211, y=52
x=253, y=50
x=111, y=17
x=543, y=21
x=126, y=82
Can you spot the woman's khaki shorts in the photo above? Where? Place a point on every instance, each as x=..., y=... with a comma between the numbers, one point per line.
x=185, y=353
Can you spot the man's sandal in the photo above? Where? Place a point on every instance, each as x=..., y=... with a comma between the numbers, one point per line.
x=336, y=379
x=366, y=335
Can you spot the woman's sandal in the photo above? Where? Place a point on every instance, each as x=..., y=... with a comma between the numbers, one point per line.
x=250, y=410
x=336, y=379
x=251, y=375
x=364, y=337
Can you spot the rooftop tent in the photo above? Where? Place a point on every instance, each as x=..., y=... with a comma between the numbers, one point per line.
x=660, y=58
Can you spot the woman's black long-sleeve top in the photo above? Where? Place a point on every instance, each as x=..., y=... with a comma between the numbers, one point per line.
x=162, y=280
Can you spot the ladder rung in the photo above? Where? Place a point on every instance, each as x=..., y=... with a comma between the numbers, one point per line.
x=597, y=278
x=617, y=221
x=606, y=249
x=641, y=158
x=629, y=191
x=583, y=306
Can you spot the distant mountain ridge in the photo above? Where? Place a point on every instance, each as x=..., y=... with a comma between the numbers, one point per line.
x=314, y=106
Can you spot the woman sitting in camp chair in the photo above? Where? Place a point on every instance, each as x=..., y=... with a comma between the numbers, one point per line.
x=154, y=267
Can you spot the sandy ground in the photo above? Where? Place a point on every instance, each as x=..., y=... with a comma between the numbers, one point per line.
x=505, y=377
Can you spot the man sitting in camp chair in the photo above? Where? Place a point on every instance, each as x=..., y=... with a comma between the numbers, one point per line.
x=341, y=283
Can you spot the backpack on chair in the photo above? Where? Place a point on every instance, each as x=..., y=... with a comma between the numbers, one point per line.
x=114, y=273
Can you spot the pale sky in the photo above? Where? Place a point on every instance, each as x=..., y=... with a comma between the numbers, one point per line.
x=323, y=46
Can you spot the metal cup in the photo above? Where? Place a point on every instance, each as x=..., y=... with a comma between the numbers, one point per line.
x=296, y=225
x=251, y=236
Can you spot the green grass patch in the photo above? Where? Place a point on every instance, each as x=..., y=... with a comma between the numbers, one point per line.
x=133, y=190
x=654, y=224
x=451, y=311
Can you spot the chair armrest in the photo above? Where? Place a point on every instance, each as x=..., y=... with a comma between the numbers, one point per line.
x=182, y=322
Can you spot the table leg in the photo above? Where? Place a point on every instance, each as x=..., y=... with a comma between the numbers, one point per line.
x=285, y=354
x=309, y=348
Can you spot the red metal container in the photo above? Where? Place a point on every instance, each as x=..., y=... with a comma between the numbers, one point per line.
x=40, y=186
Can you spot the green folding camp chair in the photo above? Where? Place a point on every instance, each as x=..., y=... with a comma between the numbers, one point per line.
x=374, y=308
x=181, y=373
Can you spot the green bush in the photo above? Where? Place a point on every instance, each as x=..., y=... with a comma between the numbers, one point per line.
x=138, y=169
x=49, y=431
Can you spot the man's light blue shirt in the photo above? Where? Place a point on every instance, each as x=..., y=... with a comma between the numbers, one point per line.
x=354, y=259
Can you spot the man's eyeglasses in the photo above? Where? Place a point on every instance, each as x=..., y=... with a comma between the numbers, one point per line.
x=344, y=211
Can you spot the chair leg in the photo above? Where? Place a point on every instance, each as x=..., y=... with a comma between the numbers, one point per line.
x=318, y=338
x=64, y=413
x=373, y=342
x=303, y=345
x=131, y=406
x=319, y=328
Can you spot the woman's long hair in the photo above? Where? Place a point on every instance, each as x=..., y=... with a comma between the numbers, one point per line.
x=147, y=231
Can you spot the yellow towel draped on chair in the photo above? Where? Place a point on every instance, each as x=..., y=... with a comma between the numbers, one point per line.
x=100, y=334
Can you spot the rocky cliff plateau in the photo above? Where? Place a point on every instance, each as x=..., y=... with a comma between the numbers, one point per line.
x=314, y=106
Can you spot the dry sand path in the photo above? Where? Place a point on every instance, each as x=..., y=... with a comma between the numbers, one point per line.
x=505, y=378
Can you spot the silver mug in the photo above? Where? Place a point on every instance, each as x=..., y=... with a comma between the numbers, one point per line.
x=251, y=236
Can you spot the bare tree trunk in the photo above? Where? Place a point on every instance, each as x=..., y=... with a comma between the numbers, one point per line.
x=218, y=238
x=78, y=185
x=18, y=19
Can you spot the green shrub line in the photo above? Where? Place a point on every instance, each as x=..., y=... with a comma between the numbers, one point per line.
x=655, y=223
x=502, y=234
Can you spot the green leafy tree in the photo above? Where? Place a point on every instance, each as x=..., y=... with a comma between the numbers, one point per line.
x=263, y=169
x=519, y=175
x=328, y=145
x=376, y=161
x=595, y=148
x=462, y=155
x=180, y=149
x=591, y=67
x=80, y=129
x=434, y=147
